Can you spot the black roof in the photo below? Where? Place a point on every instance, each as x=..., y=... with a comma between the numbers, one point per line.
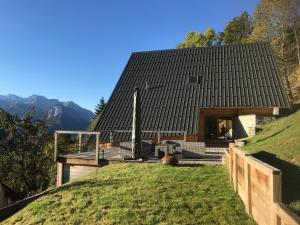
x=232, y=76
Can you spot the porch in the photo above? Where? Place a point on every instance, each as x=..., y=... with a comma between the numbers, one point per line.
x=78, y=153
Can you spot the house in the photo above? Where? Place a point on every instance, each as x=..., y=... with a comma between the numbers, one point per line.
x=7, y=195
x=211, y=93
x=197, y=99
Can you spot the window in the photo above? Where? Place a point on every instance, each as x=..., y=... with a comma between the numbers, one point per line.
x=193, y=80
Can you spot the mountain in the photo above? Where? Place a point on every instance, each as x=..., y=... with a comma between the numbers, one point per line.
x=59, y=115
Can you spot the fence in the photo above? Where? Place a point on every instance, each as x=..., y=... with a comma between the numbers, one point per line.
x=259, y=186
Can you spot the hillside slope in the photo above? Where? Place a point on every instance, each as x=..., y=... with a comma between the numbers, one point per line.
x=141, y=193
x=278, y=144
x=281, y=137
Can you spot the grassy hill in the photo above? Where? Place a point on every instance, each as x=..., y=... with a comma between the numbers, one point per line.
x=278, y=143
x=141, y=193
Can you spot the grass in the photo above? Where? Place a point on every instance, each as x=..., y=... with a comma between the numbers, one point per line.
x=141, y=193
x=278, y=144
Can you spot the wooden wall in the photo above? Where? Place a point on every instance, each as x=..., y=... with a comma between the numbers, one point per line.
x=259, y=186
x=68, y=172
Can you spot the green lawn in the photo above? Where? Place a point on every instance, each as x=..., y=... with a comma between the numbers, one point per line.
x=278, y=144
x=141, y=193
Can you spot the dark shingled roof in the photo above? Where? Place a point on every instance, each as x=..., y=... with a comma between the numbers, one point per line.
x=232, y=76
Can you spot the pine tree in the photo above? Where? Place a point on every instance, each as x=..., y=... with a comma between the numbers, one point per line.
x=98, y=111
x=99, y=107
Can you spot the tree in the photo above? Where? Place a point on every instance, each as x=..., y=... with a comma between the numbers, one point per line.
x=238, y=30
x=277, y=22
x=100, y=107
x=26, y=151
x=98, y=111
x=197, y=39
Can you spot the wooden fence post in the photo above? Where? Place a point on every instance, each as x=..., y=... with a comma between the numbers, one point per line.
x=276, y=186
x=247, y=178
x=235, y=170
x=59, y=174
x=276, y=197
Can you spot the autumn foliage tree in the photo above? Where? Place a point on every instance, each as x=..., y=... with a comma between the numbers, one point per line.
x=274, y=21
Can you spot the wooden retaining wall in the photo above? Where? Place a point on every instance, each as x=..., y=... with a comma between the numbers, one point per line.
x=259, y=186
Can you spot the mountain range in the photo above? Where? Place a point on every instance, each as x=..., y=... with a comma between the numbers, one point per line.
x=59, y=115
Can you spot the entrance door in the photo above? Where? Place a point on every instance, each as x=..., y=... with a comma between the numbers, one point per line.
x=218, y=128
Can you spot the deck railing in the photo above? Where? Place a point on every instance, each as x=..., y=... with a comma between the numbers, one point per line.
x=80, y=134
x=78, y=147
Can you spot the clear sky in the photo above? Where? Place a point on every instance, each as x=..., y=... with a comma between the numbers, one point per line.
x=76, y=49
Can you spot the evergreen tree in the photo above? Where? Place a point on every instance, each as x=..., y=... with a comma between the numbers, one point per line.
x=99, y=107
x=98, y=111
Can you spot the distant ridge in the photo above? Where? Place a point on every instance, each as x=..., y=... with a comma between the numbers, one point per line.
x=60, y=115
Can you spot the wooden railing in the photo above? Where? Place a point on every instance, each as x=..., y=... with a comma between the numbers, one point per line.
x=259, y=186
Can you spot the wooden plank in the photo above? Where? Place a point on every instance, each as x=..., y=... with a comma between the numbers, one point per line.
x=262, y=166
x=73, y=161
x=285, y=215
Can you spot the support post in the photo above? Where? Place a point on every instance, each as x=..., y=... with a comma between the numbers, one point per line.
x=59, y=174
x=275, y=180
x=184, y=136
x=79, y=144
x=276, y=186
x=55, y=147
x=97, y=148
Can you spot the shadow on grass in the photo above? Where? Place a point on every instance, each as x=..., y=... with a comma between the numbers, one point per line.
x=290, y=177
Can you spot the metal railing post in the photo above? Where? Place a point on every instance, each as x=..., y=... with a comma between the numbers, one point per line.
x=97, y=148
x=111, y=137
x=55, y=147
x=158, y=137
x=79, y=140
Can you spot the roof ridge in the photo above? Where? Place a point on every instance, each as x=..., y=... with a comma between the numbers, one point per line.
x=196, y=48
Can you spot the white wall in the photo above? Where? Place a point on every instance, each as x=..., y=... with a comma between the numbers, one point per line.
x=244, y=126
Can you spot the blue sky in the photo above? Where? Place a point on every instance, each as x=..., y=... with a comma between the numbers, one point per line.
x=76, y=49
